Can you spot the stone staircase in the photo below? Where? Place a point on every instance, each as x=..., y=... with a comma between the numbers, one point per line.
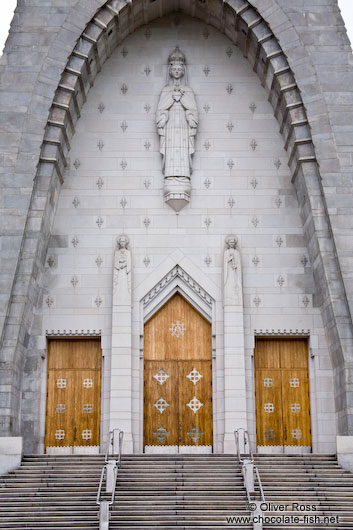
x=169, y=491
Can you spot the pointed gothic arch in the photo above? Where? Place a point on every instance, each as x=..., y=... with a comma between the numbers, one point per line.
x=113, y=21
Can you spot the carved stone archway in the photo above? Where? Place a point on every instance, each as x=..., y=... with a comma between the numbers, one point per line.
x=243, y=24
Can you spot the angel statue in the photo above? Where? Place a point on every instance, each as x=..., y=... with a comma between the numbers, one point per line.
x=233, y=290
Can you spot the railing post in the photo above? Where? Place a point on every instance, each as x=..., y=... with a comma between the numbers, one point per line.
x=241, y=440
x=111, y=472
x=116, y=441
x=248, y=474
x=104, y=515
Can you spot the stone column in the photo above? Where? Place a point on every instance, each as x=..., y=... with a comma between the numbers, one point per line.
x=234, y=358
x=121, y=359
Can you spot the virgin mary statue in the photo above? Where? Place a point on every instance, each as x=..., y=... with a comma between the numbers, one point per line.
x=177, y=121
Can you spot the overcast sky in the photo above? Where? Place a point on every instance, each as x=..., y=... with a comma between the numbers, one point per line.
x=7, y=8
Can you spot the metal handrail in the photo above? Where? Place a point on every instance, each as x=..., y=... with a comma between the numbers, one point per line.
x=246, y=461
x=115, y=463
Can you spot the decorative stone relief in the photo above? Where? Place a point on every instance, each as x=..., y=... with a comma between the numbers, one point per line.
x=124, y=88
x=177, y=271
x=207, y=222
x=194, y=376
x=73, y=333
x=99, y=222
x=98, y=301
x=207, y=183
x=147, y=183
x=177, y=329
x=99, y=261
x=75, y=241
x=147, y=261
x=253, y=144
x=124, y=52
x=100, y=183
x=195, y=434
x=280, y=280
x=277, y=164
x=230, y=164
x=279, y=241
x=147, y=71
x=76, y=202
x=161, y=434
x=232, y=275
x=124, y=126
x=278, y=201
x=147, y=222
x=51, y=261
x=229, y=88
x=231, y=202
x=161, y=404
x=254, y=183
x=304, y=261
x=100, y=145
x=161, y=376
x=147, y=108
x=206, y=70
x=77, y=163
x=305, y=301
x=194, y=404
x=256, y=260
x=122, y=272
x=177, y=121
x=123, y=203
x=252, y=107
x=206, y=108
x=229, y=52
x=123, y=164
x=208, y=260
x=257, y=301
x=101, y=107
x=255, y=221
x=207, y=145
x=74, y=281
x=230, y=126
x=147, y=145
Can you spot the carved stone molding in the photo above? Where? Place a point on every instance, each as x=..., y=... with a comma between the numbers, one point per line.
x=174, y=273
x=73, y=333
x=282, y=332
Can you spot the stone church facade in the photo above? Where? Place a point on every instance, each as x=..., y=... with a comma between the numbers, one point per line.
x=270, y=193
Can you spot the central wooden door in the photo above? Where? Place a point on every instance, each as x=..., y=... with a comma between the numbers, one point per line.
x=282, y=393
x=73, y=393
x=178, y=377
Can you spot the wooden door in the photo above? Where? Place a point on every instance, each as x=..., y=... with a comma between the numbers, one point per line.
x=73, y=393
x=178, y=377
x=282, y=392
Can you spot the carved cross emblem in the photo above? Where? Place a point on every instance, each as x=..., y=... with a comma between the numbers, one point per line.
x=195, y=434
x=86, y=434
x=161, y=377
x=161, y=434
x=194, y=376
x=61, y=383
x=269, y=407
x=177, y=329
x=161, y=405
x=268, y=382
x=88, y=383
x=59, y=434
x=297, y=434
x=295, y=407
x=194, y=404
x=294, y=382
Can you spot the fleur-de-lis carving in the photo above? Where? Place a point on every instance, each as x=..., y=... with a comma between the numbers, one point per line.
x=229, y=52
x=77, y=163
x=123, y=203
x=124, y=52
x=147, y=183
x=208, y=260
x=256, y=260
x=124, y=126
x=76, y=202
x=306, y=301
x=208, y=222
x=100, y=145
x=277, y=163
x=230, y=126
x=278, y=201
x=98, y=301
x=206, y=70
x=279, y=241
x=147, y=261
x=207, y=145
x=99, y=261
x=100, y=183
x=147, y=222
x=147, y=71
x=230, y=164
x=280, y=280
x=229, y=88
x=124, y=88
x=147, y=108
x=231, y=202
x=257, y=301
x=101, y=107
x=206, y=108
x=75, y=241
x=252, y=107
x=74, y=281
x=255, y=221
x=207, y=183
x=253, y=144
x=99, y=222
x=254, y=183
x=123, y=164
x=147, y=145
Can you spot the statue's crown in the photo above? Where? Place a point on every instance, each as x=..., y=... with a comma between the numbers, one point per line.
x=176, y=57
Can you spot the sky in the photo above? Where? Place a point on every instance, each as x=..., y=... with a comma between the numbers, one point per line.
x=7, y=8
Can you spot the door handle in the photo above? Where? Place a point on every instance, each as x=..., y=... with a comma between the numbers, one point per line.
x=75, y=433
x=179, y=432
x=285, y=432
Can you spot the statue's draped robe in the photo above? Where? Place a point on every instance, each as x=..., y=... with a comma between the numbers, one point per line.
x=232, y=277
x=122, y=275
x=177, y=138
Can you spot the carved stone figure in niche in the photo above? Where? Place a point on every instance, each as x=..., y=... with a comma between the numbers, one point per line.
x=177, y=121
x=122, y=271
x=233, y=290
